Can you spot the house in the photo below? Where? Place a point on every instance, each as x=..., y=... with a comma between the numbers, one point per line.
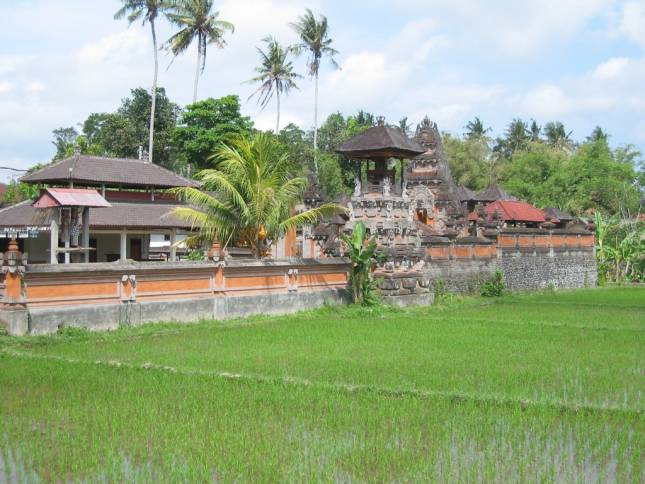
x=137, y=211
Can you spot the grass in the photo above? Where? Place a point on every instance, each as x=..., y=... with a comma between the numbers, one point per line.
x=543, y=387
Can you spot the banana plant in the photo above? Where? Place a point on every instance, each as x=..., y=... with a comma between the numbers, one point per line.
x=362, y=252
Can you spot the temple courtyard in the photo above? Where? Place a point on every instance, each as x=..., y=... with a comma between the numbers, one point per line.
x=536, y=387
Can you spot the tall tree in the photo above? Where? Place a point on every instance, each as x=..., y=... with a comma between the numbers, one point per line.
x=64, y=141
x=475, y=129
x=314, y=38
x=196, y=20
x=535, y=131
x=248, y=198
x=597, y=134
x=517, y=135
x=146, y=11
x=557, y=136
x=275, y=75
x=204, y=126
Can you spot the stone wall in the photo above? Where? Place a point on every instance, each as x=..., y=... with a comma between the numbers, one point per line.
x=105, y=296
x=528, y=258
x=539, y=269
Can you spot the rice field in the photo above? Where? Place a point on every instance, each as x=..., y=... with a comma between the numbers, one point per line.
x=542, y=387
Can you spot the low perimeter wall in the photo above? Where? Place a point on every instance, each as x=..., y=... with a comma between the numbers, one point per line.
x=528, y=258
x=106, y=295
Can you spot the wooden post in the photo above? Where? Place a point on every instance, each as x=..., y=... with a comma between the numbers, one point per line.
x=67, y=214
x=86, y=234
x=173, y=249
x=123, y=254
x=53, y=238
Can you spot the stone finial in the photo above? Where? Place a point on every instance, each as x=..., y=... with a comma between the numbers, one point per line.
x=145, y=156
x=380, y=121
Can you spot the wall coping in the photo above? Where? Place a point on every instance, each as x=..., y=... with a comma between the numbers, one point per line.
x=187, y=265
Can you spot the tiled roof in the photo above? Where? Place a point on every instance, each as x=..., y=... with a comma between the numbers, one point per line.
x=70, y=197
x=387, y=139
x=515, y=211
x=96, y=170
x=131, y=215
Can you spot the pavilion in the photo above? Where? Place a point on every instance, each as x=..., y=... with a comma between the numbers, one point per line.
x=135, y=212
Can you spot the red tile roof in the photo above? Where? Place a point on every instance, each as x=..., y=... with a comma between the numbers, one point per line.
x=70, y=197
x=515, y=211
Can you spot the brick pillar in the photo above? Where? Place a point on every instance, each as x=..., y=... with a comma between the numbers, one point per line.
x=13, y=310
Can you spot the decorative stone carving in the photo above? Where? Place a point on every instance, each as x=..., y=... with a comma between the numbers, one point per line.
x=357, y=187
x=387, y=186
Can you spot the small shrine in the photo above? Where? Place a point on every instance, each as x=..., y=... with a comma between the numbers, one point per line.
x=386, y=206
x=70, y=220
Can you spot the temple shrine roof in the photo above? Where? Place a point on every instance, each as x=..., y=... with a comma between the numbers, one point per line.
x=464, y=194
x=380, y=142
x=492, y=193
x=99, y=170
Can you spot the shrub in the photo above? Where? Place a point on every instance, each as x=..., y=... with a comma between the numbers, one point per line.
x=494, y=287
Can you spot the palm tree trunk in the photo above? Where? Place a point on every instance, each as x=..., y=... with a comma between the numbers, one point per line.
x=277, y=122
x=154, y=93
x=316, y=125
x=199, y=61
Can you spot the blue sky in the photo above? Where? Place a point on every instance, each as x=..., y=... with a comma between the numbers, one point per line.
x=578, y=61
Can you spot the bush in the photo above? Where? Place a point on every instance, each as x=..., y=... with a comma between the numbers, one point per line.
x=494, y=287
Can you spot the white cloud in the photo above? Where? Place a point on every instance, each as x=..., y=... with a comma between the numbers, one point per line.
x=9, y=63
x=632, y=23
x=611, y=68
x=34, y=87
x=118, y=46
x=5, y=87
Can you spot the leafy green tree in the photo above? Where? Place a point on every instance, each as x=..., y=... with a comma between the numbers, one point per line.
x=198, y=22
x=275, y=75
x=121, y=133
x=314, y=38
x=362, y=253
x=595, y=181
x=204, y=126
x=558, y=137
x=249, y=197
x=146, y=11
x=64, y=141
x=468, y=160
x=534, y=175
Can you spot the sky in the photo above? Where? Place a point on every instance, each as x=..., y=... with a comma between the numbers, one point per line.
x=578, y=61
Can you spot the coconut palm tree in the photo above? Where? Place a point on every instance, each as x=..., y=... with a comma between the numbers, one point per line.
x=248, y=198
x=475, y=129
x=275, y=74
x=146, y=11
x=196, y=20
x=557, y=136
x=314, y=38
x=535, y=130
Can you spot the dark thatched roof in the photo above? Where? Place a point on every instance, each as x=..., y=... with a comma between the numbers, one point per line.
x=464, y=194
x=555, y=213
x=493, y=193
x=98, y=170
x=131, y=215
x=380, y=141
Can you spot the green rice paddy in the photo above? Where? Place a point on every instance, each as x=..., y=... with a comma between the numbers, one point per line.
x=542, y=387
